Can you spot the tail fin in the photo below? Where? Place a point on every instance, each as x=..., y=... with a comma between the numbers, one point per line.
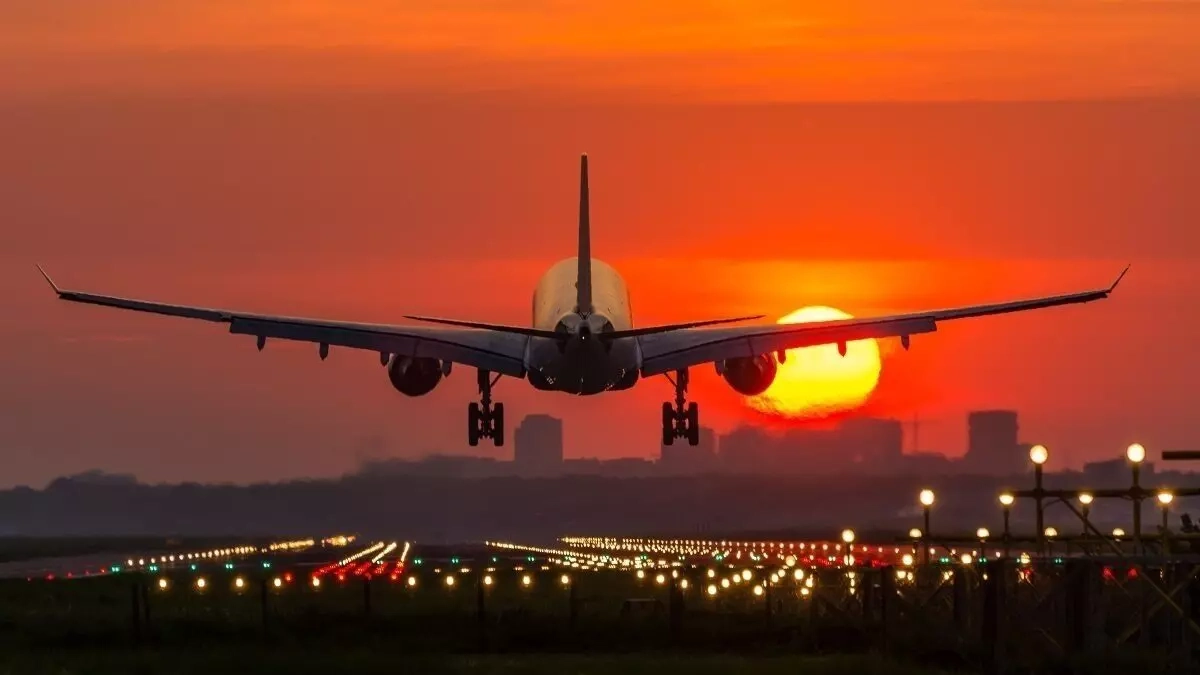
x=583, y=283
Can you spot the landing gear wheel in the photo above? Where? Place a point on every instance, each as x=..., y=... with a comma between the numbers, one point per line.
x=498, y=424
x=681, y=419
x=668, y=424
x=692, y=424
x=473, y=424
x=483, y=419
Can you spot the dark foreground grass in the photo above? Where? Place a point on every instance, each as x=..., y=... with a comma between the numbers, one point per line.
x=298, y=661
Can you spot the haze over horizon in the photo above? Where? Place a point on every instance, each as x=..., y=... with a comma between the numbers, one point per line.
x=363, y=162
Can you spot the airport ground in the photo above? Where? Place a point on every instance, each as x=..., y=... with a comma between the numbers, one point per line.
x=302, y=606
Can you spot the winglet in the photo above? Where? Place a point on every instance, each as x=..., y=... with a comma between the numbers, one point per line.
x=50, y=281
x=1119, y=278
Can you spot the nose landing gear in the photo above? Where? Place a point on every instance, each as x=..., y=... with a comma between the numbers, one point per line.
x=485, y=420
x=681, y=419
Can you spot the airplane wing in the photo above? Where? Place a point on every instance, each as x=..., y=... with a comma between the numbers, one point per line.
x=498, y=351
x=666, y=352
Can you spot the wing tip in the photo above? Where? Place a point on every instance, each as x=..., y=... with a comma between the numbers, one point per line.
x=1120, y=276
x=54, y=286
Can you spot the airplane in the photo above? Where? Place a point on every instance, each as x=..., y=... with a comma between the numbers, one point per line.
x=581, y=339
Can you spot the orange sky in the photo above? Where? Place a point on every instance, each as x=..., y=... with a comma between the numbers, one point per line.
x=794, y=50
x=365, y=160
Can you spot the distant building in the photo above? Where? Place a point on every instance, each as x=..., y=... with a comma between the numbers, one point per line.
x=1115, y=473
x=992, y=446
x=875, y=444
x=538, y=446
x=747, y=449
x=681, y=458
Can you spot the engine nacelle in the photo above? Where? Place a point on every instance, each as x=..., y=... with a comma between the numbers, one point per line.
x=750, y=376
x=414, y=376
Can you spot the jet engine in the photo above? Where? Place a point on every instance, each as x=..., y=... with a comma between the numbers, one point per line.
x=750, y=376
x=414, y=376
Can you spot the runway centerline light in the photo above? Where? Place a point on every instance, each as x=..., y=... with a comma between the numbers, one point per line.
x=201, y=583
x=162, y=584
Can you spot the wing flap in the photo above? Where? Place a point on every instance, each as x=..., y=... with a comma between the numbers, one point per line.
x=674, y=351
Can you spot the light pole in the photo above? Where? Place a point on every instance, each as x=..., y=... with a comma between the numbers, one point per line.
x=1085, y=504
x=1136, y=454
x=927, y=498
x=1006, y=502
x=848, y=539
x=915, y=535
x=1038, y=454
x=1050, y=533
x=1164, y=499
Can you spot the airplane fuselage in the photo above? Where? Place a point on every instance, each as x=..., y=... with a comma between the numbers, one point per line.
x=582, y=364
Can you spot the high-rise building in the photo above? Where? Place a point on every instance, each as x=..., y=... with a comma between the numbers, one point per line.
x=681, y=458
x=992, y=446
x=538, y=446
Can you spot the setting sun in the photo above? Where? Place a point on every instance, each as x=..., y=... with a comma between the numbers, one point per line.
x=818, y=381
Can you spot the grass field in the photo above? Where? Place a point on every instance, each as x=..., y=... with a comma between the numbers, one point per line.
x=302, y=661
x=599, y=622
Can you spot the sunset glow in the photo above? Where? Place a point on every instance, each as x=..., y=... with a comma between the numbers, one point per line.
x=818, y=381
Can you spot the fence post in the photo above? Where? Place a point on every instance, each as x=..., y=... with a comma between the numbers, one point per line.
x=995, y=613
x=867, y=596
x=135, y=597
x=767, y=600
x=481, y=614
x=145, y=593
x=264, y=604
x=962, y=610
x=674, y=600
x=573, y=600
x=887, y=606
x=367, y=595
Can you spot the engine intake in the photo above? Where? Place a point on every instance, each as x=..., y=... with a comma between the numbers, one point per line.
x=750, y=376
x=414, y=376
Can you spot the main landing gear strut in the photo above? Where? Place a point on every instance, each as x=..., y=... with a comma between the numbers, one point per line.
x=485, y=420
x=682, y=419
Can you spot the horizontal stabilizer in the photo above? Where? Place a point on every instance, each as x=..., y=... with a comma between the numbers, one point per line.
x=499, y=328
x=669, y=328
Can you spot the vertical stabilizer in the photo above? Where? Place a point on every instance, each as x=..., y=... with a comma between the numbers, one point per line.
x=583, y=283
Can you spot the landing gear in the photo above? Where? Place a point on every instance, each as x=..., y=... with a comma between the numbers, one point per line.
x=681, y=419
x=485, y=420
